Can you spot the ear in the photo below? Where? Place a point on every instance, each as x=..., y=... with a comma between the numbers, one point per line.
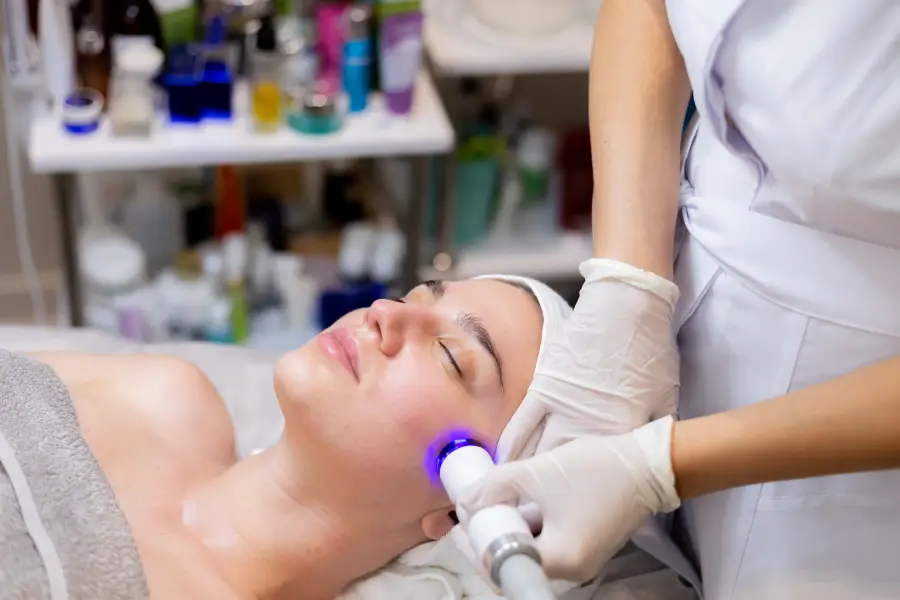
x=438, y=523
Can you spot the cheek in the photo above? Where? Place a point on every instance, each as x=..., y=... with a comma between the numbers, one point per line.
x=416, y=400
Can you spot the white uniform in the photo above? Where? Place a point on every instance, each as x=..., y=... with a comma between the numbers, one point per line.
x=790, y=275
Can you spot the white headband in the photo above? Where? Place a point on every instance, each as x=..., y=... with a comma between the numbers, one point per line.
x=555, y=311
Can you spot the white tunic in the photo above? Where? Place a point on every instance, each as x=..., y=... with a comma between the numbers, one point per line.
x=790, y=275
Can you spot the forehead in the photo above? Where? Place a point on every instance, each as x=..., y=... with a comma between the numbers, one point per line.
x=511, y=316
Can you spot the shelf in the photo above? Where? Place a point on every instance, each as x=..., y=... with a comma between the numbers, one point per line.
x=370, y=134
x=459, y=45
x=544, y=258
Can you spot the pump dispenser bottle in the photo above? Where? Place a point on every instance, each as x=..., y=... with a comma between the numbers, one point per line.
x=266, y=67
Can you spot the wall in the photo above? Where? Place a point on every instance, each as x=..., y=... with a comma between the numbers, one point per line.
x=15, y=305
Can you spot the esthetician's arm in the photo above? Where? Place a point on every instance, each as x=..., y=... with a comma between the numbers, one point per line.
x=639, y=91
x=844, y=425
x=595, y=492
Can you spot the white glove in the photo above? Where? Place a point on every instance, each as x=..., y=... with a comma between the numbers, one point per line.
x=594, y=494
x=612, y=368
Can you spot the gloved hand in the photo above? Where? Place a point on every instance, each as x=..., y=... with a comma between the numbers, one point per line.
x=593, y=493
x=612, y=368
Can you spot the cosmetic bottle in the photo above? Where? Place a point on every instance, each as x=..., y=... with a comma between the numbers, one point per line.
x=301, y=299
x=285, y=269
x=217, y=75
x=182, y=84
x=234, y=247
x=266, y=67
x=134, y=22
x=179, y=21
x=315, y=113
x=297, y=292
x=329, y=17
x=131, y=313
x=218, y=327
x=82, y=111
x=259, y=286
x=57, y=50
x=213, y=266
x=230, y=207
x=132, y=109
x=297, y=42
x=93, y=57
x=357, y=58
x=400, y=55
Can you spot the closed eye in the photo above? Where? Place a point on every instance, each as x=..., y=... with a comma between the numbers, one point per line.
x=452, y=360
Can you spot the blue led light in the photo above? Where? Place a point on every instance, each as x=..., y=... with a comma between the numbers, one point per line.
x=452, y=447
x=442, y=447
x=445, y=444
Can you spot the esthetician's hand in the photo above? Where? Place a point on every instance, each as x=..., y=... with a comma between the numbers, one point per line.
x=593, y=493
x=613, y=368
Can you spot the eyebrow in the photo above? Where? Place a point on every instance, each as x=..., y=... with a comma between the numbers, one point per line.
x=472, y=325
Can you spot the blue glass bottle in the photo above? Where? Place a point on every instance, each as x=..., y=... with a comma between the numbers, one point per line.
x=182, y=82
x=217, y=79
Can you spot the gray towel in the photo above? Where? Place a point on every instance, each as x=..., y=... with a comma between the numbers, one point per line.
x=62, y=534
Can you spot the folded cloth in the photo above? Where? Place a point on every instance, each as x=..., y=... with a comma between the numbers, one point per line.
x=62, y=533
x=440, y=571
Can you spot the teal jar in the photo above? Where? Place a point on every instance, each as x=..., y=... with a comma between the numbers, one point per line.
x=315, y=113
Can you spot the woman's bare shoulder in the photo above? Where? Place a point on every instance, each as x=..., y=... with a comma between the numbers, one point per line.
x=171, y=394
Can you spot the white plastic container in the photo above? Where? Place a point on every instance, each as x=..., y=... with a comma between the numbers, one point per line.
x=132, y=106
x=152, y=216
x=113, y=266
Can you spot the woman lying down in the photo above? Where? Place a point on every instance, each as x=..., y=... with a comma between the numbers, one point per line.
x=120, y=478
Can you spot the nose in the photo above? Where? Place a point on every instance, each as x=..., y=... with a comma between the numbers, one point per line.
x=399, y=323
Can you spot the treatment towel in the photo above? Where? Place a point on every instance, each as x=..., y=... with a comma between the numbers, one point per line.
x=62, y=534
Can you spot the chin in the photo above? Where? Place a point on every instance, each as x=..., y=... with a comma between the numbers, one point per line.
x=293, y=374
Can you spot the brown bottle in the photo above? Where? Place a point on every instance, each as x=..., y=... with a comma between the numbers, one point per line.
x=130, y=20
x=93, y=58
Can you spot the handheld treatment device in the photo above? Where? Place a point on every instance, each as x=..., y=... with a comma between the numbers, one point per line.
x=499, y=534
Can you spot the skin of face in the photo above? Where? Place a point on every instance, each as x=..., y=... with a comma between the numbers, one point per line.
x=419, y=371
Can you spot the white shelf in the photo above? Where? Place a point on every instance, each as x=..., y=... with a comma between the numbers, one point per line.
x=370, y=134
x=545, y=258
x=459, y=45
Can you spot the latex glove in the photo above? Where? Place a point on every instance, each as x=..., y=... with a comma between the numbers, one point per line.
x=612, y=368
x=593, y=494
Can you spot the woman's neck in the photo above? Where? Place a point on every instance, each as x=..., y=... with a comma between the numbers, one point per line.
x=275, y=530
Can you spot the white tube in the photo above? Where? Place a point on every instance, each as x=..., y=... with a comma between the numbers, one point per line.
x=57, y=45
x=522, y=578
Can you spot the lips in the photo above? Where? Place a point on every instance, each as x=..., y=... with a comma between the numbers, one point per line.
x=340, y=346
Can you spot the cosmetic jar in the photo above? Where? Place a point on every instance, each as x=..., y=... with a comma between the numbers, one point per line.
x=314, y=113
x=81, y=111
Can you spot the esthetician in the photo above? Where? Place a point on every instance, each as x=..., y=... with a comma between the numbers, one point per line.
x=788, y=322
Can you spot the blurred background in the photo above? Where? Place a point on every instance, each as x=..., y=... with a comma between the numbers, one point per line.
x=247, y=171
